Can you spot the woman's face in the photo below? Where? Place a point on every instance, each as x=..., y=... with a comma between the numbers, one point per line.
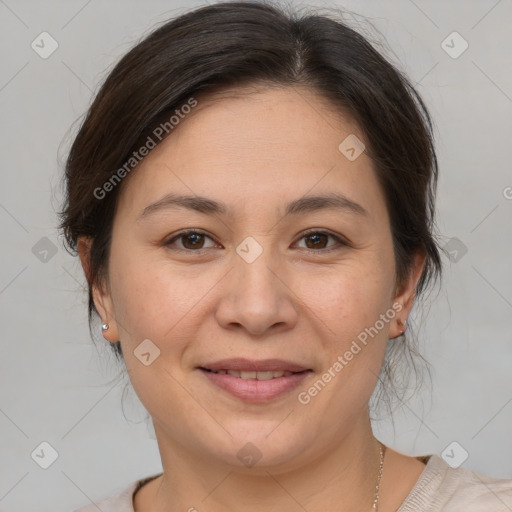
x=268, y=274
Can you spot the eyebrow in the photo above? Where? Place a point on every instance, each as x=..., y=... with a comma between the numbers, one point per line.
x=302, y=205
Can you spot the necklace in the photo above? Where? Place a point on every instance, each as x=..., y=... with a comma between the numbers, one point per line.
x=382, y=449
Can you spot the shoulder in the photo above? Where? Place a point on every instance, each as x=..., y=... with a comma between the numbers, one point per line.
x=442, y=488
x=121, y=502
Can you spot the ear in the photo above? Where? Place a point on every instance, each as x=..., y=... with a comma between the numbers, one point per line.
x=100, y=291
x=406, y=294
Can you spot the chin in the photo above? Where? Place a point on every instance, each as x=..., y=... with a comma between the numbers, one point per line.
x=258, y=447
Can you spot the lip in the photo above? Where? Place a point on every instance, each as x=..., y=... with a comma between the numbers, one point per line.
x=264, y=365
x=253, y=390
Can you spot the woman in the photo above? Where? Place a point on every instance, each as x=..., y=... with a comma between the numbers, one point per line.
x=252, y=199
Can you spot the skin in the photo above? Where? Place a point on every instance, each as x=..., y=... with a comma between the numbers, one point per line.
x=256, y=149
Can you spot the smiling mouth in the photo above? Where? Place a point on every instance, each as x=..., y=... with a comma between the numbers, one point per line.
x=252, y=375
x=256, y=387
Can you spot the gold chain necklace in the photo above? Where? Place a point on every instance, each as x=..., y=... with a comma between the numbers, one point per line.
x=382, y=449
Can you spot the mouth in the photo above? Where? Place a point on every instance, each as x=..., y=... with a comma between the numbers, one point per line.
x=254, y=382
x=249, y=375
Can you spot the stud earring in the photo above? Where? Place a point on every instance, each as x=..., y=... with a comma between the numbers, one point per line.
x=104, y=327
x=403, y=326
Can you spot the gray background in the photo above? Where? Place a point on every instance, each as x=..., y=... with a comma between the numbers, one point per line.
x=56, y=387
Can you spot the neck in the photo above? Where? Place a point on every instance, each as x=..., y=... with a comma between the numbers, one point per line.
x=342, y=477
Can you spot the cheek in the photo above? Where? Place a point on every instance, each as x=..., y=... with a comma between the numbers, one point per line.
x=152, y=297
x=151, y=303
x=351, y=297
x=352, y=338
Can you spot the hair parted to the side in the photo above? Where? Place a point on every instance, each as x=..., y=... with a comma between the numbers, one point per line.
x=234, y=44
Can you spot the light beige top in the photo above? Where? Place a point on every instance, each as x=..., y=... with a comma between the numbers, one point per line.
x=440, y=488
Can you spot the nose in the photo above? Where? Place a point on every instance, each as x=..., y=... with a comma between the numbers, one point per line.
x=256, y=297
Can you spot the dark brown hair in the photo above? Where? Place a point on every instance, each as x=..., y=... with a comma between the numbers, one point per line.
x=231, y=44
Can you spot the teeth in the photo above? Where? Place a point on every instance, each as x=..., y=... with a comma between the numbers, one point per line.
x=254, y=375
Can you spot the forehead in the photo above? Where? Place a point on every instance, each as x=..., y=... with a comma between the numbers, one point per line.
x=255, y=145
x=278, y=119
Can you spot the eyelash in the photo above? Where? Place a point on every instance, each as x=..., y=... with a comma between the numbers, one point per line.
x=341, y=242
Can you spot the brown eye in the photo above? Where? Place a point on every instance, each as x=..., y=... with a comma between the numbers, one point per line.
x=318, y=241
x=189, y=241
x=192, y=241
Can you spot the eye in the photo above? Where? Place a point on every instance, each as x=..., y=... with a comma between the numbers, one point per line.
x=317, y=241
x=190, y=240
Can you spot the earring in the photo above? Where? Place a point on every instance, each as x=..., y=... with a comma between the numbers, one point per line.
x=403, y=326
x=104, y=327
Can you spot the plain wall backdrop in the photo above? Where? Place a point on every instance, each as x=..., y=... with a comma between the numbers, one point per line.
x=57, y=388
